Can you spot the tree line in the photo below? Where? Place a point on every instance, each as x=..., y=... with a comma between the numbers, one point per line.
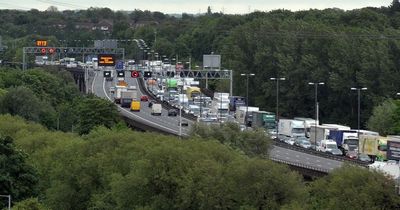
x=122, y=169
x=52, y=98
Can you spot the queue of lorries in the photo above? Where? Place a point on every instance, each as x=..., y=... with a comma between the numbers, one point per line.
x=336, y=139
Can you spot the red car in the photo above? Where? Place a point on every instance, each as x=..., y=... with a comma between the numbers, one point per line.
x=144, y=98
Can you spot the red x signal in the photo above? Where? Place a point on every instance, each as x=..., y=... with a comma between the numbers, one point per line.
x=134, y=74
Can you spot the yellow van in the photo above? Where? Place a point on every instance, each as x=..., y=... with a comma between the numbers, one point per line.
x=135, y=106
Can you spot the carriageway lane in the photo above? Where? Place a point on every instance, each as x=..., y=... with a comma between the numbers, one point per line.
x=169, y=124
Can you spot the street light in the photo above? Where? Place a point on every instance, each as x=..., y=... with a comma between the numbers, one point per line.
x=247, y=93
x=9, y=200
x=359, y=107
x=277, y=79
x=180, y=112
x=316, y=108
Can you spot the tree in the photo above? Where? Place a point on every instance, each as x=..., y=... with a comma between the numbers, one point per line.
x=29, y=204
x=52, y=9
x=383, y=118
x=93, y=111
x=252, y=143
x=24, y=102
x=353, y=187
x=17, y=178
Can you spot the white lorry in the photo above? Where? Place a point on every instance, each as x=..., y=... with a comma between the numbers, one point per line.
x=245, y=118
x=118, y=93
x=291, y=128
x=308, y=122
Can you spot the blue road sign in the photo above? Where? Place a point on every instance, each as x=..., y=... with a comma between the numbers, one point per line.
x=119, y=65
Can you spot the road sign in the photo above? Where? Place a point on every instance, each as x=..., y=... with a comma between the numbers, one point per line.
x=135, y=74
x=120, y=74
x=120, y=65
x=41, y=43
x=147, y=74
x=106, y=60
x=107, y=73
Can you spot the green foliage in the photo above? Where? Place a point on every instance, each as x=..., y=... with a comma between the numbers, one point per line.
x=93, y=111
x=383, y=118
x=121, y=169
x=355, y=188
x=23, y=102
x=52, y=98
x=29, y=204
x=17, y=178
x=252, y=143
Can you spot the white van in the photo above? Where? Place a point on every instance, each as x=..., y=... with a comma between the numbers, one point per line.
x=156, y=109
x=326, y=145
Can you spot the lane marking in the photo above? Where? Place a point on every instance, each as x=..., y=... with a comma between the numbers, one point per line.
x=94, y=79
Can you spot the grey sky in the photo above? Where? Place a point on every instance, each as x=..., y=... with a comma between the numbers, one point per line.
x=194, y=6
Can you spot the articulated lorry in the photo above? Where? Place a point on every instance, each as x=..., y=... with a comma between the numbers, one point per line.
x=117, y=93
x=263, y=119
x=236, y=101
x=243, y=117
x=346, y=140
x=373, y=146
x=291, y=128
x=127, y=96
x=308, y=122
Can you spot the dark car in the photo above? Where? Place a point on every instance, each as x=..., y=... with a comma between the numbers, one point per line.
x=364, y=158
x=351, y=154
x=172, y=112
x=184, y=123
x=337, y=152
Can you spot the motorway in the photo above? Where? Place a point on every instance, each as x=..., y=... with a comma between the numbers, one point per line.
x=100, y=87
x=293, y=157
x=169, y=124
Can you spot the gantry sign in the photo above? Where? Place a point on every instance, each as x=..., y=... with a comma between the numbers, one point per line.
x=207, y=74
x=70, y=50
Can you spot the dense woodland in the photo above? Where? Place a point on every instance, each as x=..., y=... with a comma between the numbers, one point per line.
x=121, y=169
x=60, y=149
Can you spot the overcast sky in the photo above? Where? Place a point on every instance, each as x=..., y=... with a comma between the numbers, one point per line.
x=194, y=6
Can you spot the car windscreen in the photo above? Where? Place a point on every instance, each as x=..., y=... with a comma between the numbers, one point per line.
x=298, y=130
x=331, y=146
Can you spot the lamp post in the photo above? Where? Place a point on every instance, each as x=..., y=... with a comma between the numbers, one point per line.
x=316, y=108
x=277, y=79
x=180, y=113
x=358, y=89
x=247, y=93
x=9, y=200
